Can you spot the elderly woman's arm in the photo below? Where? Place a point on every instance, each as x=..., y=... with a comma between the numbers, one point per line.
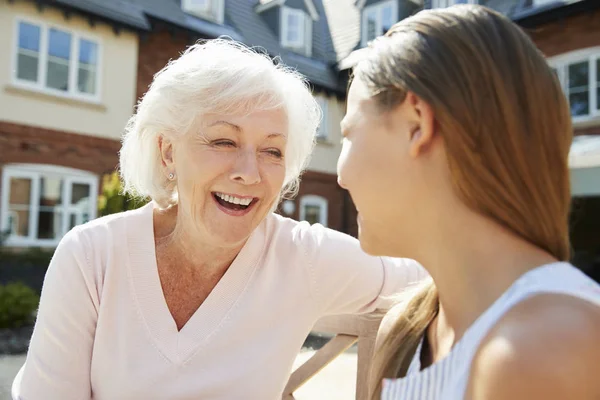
x=346, y=280
x=59, y=356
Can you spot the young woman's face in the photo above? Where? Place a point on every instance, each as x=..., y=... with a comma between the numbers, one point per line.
x=383, y=166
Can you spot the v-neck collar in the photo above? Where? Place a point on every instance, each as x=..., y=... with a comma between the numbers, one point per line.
x=178, y=346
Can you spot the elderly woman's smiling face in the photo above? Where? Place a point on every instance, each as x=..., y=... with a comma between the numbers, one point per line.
x=229, y=171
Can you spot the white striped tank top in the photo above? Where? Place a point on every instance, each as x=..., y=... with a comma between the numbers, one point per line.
x=447, y=379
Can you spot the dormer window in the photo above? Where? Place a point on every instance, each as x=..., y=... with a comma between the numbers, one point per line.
x=377, y=19
x=213, y=10
x=448, y=3
x=296, y=30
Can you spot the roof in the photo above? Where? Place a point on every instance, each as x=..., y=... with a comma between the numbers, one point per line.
x=533, y=16
x=344, y=24
x=242, y=23
x=120, y=11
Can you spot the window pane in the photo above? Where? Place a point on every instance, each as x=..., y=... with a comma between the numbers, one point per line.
x=293, y=28
x=49, y=223
x=86, y=81
x=579, y=88
x=312, y=214
x=50, y=192
x=293, y=21
x=20, y=191
x=598, y=84
x=18, y=221
x=28, y=52
x=580, y=103
x=59, y=44
x=58, y=76
x=579, y=74
x=29, y=36
x=19, y=200
x=386, y=19
x=371, y=25
x=27, y=67
x=72, y=221
x=80, y=194
x=201, y=4
x=59, y=50
x=88, y=52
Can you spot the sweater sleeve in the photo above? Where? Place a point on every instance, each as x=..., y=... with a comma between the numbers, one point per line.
x=59, y=356
x=346, y=280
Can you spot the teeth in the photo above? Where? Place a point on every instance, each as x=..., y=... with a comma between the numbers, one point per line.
x=234, y=200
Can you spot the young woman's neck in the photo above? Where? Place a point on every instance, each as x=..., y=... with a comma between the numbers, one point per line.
x=473, y=260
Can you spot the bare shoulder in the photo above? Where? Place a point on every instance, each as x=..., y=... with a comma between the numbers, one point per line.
x=546, y=347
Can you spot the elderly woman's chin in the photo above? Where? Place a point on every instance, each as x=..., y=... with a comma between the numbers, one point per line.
x=231, y=218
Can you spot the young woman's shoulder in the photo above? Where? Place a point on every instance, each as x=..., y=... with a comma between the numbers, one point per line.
x=546, y=347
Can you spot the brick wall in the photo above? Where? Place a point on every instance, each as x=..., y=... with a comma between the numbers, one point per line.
x=572, y=33
x=155, y=51
x=341, y=211
x=29, y=144
x=569, y=34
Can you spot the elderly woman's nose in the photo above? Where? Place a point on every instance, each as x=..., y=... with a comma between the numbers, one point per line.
x=246, y=168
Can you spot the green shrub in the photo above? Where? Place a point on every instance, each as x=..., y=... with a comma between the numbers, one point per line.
x=18, y=304
x=29, y=257
x=113, y=200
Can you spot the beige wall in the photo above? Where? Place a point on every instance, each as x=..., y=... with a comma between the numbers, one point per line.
x=103, y=118
x=326, y=153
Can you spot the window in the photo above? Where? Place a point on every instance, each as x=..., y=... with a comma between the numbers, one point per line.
x=378, y=19
x=322, y=129
x=56, y=60
x=207, y=9
x=313, y=209
x=542, y=2
x=448, y=3
x=41, y=203
x=579, y=74
x=296, y=30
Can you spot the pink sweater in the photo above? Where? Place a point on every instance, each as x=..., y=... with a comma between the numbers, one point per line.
x=104, y=330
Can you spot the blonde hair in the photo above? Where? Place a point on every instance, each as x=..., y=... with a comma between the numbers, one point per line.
x=507, y=133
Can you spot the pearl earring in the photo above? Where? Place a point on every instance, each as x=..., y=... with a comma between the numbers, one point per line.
x=171, y=176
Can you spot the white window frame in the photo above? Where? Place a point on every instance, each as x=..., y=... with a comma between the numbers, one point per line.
x=323, y=129
x=561, y=63
x=213, y=10
x=40, y=85
x=448, y=3
x=378, y=7
x=34, y=172
x=314, y=200
x=304, y=42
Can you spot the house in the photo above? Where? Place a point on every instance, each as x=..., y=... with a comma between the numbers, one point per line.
x=67, y=88
x=568, y=33
x=76, y=69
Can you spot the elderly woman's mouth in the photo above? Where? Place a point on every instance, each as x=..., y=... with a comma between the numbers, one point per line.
x=233, y=202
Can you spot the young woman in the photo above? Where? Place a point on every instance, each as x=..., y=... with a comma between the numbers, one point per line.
x=455, y=153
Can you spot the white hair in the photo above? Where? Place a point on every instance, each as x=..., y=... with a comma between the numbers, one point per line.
x=218, y=76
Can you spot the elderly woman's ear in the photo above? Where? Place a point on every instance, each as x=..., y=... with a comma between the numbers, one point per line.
x=165, y=146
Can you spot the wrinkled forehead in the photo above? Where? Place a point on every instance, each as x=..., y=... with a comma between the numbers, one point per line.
x=271, y=123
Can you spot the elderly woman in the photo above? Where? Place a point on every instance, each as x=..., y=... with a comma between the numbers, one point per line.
x=204, y=293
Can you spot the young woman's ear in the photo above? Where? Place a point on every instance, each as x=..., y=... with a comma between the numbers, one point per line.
x=422, y=124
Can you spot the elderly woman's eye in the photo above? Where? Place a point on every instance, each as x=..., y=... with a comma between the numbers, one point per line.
x=275, y=153
x=224, y=143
